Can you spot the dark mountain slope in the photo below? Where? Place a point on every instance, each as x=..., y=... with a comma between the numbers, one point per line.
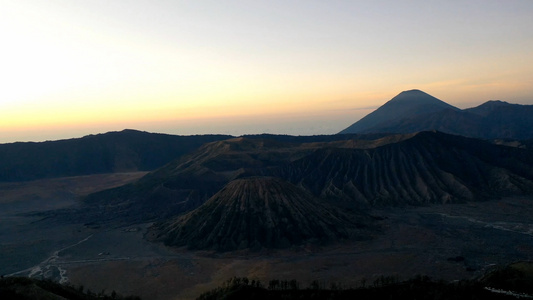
x=407, y=104
x=258, y=212
x=186, y=183
x=450, y=121
x=491, y=120
x=490, y=107
x=415, y=111
x=505, y=120
x=429, y=167
x=128, y=150
x=412, y=169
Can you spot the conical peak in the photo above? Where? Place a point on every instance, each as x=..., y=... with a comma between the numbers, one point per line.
x=405, y=105
x=414, y=96
x=413, y=91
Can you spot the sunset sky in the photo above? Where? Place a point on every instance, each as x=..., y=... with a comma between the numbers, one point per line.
x=71, y=68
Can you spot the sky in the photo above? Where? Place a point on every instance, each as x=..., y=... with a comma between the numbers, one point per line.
x=75, y=67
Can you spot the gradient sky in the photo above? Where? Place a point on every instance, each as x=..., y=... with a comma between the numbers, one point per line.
x=71, y=68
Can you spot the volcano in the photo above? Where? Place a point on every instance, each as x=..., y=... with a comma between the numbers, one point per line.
x=259, y=212
x=407, y=104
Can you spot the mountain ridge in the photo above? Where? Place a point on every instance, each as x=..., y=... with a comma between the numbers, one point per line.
x=124, y=151
x=493, y=119
x=413, y=169
x=428, y=168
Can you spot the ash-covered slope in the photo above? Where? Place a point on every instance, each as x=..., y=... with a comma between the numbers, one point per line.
x=186, y=183
x=259, y=212
x=410, y=169
x=428, y=167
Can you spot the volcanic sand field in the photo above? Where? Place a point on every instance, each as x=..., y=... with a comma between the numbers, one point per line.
x=449, y=242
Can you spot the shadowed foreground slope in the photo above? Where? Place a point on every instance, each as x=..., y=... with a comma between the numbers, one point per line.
x=18, y=288
x=422, y=288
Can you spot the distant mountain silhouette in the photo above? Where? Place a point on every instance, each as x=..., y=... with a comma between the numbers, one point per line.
x=259, y=212
x=128, y=150
x=411, y=169
x=491, y=107
x=491, y=120
x=505, y=120
x=407, y=104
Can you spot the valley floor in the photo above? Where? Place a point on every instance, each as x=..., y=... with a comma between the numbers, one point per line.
x=444, y=242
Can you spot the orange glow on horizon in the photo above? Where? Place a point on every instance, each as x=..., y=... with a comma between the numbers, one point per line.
x=86, y=66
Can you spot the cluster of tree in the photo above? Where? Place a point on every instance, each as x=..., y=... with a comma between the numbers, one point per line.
x=509, y=282
x=22, y=288
x=383, y=287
